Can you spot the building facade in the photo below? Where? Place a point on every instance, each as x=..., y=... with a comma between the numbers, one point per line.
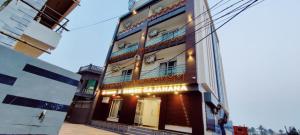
x=34, y=95
x=81, y=106
x=157, y=78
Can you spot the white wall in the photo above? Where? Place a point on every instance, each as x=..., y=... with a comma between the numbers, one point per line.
x=15, y=11
x=204, y=54
x=43, y=34
x=15, y=118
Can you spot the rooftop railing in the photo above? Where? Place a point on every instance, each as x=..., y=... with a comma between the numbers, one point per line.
x=91, y=68
x=131, y=48
x=167, y=9
x=162, y=72
x=86, y=91
x=166, y=36
x=117, y=79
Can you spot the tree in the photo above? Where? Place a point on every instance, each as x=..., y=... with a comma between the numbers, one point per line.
x=271, y=132
x=262, y=130
x=252, y=131
x=280, y=132
x=293, y=131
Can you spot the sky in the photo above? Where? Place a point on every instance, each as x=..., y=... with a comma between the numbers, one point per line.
x=260, y=51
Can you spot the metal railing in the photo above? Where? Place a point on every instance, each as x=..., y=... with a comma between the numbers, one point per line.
x=117, y=79
x=92, y=68
x=131, y=48
x=86, y=91
x=61, y=21
x=161, y=72
x=167, y=36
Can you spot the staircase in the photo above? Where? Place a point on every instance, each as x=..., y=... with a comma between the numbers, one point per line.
x=131, y=130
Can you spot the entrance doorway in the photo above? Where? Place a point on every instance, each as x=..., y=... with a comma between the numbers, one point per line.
x=147, y=112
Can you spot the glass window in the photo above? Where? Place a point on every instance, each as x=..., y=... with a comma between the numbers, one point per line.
x=116, y=106
x=90, y=87
x=167, y=68
x=126, y=75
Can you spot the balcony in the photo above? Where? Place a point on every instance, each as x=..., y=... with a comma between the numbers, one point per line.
x=163, y=72
x=117, y=79
x=131, y=48
x=166, y=36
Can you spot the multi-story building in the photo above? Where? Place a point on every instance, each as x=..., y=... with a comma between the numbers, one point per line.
x=80, y=109
x=34, y=95
x=156, y=79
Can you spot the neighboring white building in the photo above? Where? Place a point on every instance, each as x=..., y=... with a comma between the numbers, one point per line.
x=34, y=95
x=36, y=22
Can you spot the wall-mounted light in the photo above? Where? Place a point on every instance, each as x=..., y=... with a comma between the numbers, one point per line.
x=190, y=55
x=190, y=18
x=143, y=36
x=134, y=12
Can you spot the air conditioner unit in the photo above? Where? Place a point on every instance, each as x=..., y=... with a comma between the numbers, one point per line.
x=115, y=69
x=150, y=59
x=153, y=33
x=158, y=10
x=121, y=45
x=127, y=24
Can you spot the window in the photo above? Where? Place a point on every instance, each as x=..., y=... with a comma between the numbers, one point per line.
x=167, y=68
x=126, y=75
x=116, y=106
x=90, y=87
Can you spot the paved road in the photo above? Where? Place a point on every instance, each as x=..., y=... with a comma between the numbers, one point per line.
x=76, y=129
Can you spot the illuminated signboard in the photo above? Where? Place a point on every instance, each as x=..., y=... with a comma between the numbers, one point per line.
x=148, y=89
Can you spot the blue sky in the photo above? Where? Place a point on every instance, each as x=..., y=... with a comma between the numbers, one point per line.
x=260, y=51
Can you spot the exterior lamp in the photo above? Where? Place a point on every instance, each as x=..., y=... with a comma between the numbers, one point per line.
x=134, y=12
x=190, y=18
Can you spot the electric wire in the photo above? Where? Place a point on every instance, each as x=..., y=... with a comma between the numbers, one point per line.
x=211, y=22
x=115, y=17
x=215, y=6
x=96, y=23
x=231, y=18
x=208, y=10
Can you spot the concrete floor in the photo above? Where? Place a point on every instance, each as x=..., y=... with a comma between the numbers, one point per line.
x=76, y=129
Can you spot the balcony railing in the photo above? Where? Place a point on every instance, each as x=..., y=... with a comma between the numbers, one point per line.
x=132, y=48
x=167, y=9
x=117, y=79
x=86, y=92
x=166, y=37
x=162, y=72
x=135, y=25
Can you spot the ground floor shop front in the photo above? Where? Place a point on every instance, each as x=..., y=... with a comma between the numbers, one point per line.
x=181, y=112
